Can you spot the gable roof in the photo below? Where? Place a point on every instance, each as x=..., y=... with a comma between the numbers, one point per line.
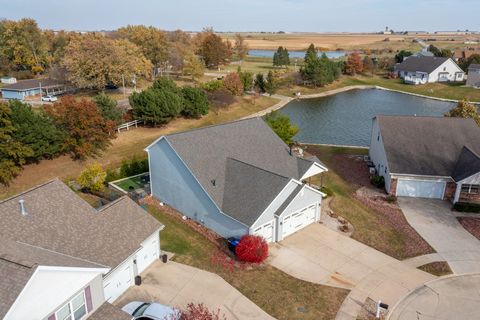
x=60, y=221
x=427, y=145
x=421, y=64
x=467, y=165
x=18, y=262
x=229, y=159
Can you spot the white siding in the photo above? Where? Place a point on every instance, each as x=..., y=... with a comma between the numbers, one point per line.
x=268, y=214
x=48, y=290
x=475, y=179
x=378, y=155
x=114, y=284
x=149, y=253
x=449, y=67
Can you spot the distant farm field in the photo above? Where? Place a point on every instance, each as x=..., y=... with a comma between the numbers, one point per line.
x=346, y=41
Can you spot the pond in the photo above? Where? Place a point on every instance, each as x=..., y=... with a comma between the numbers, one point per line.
x=346, y=118
x=293, y=54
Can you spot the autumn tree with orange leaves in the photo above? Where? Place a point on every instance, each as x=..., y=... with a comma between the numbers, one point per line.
x=88, y=132
x=354, y=64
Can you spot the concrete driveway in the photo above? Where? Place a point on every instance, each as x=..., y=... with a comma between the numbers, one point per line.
x=455, y=297
x=320, y=255
x=176, y=285
x=435, y=222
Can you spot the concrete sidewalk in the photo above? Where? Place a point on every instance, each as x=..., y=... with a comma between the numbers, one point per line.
x=320, y=255
x=176, y=285
x=436, y=223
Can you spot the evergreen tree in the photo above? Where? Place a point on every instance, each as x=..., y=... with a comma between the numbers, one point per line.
x=270, y=85
x=195, y=102
x=260, y=82
x=12, y=153
x=37, y=131
x=108, y=108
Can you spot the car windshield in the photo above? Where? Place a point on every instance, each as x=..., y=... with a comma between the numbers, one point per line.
x=140, y=310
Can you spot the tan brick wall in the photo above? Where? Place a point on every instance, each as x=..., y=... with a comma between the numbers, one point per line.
x=450, y=191
x=393, y=187
x=469, y=197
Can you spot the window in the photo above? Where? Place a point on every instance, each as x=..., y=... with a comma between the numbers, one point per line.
x=73, y=310
x=471, y=188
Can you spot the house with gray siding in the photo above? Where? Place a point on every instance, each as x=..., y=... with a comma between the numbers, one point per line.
x=473, y=79
x=236, y=178
x=428, y=157
x=25, y=89
x=62, y=259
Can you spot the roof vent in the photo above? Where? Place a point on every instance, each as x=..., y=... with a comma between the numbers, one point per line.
x=22, y=207
x=213, y=182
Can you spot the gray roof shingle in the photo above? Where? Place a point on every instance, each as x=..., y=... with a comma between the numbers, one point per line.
x=32, y=84
x=421, y=64
x=427, y=145
x=207, y=151
x=59, y=220
x=467, y=165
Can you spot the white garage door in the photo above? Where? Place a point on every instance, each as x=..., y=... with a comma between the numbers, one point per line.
x=265, y=231
x=420, y=188
x=118, y=282
x=298, y=220
x=148, y=254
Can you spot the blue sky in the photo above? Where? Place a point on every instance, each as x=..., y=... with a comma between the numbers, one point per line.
x=250, y=15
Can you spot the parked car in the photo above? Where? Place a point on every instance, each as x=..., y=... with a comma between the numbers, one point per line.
x=49, y=98
x=150, y=311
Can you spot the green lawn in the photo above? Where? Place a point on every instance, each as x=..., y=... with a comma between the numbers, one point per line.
x=454, y=91
x=134, y=182
x=279, y=294
x=370, y=227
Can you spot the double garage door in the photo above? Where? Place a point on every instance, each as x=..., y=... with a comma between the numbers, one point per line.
x=121, y=278
x=298, y=220
x=420, y=188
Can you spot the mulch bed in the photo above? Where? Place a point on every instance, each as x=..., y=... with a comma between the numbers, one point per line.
x=472, y=225
x=352, y=169
x=439, y=268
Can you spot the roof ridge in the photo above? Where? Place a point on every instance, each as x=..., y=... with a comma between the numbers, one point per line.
x=254, y=166
x=212, y=126
x=62, y=254
x=29, y=190
x=112, y=203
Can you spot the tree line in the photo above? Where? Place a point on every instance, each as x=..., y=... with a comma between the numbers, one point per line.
x=95, y=59
x=78, y=127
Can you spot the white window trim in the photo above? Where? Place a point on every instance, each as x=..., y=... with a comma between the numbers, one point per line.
x=72, y=311
x=469, y=188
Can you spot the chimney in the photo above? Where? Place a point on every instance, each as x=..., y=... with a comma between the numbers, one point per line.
x=22, y=207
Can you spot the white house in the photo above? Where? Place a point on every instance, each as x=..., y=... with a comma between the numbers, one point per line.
x=428, y=157
x=62, y=259
x=236, y=178
x=424, y=69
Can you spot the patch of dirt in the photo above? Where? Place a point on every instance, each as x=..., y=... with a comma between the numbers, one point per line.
x=376, y=200
x=439, y=268
x=333, y=221
x=472, y=225
x=352, y=169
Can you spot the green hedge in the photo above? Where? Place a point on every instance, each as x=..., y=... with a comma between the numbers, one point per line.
x=129, y=168
x=467, y=207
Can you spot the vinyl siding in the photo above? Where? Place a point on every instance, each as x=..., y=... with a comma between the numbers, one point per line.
x=174, y=184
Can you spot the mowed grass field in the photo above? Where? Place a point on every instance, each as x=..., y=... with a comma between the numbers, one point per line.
x=127, y=144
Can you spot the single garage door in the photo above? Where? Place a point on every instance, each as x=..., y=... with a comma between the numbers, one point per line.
x=118, y=282
x=298, y=220
x=147, y=254
x=420, y=188
x=266, y=231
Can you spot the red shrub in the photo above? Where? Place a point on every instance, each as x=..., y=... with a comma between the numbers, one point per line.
x=252, y=249
x=233, y=83
x=200, y=312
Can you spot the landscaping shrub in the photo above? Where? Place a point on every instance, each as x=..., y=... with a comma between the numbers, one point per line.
x=467, y=207
x=253, y=249
x=378, y=181
x=233, y=83
x=129, y=168
x=327, y=191
x=92, y=178
x=391, y=198
x=195, y=102
x=212, y=85
x=199, y=312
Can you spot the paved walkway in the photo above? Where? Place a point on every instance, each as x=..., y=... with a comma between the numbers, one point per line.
x=176, y=285
x=435, y=222
x=454, y=297
x=320, y=255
